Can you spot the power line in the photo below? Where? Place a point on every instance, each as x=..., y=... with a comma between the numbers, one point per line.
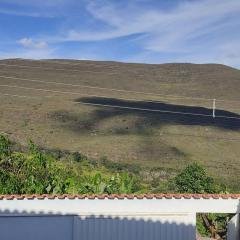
x=229, y=117
x=49, y=68
x=23, y=96
x=200, y=136
x=133, y=108
x=157, y=110
x=181, y=135
x=83, y=94
x=144, y=109
x=110, y=89
x=63, y=62
x=167, y=133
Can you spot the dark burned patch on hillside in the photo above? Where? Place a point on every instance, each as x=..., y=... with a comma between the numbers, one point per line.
x=72, y=121
x=157, y=119
x=86, y=124
x=99, y=122
x=155, y=149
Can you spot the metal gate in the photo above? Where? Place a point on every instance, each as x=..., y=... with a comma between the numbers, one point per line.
x=165, y=227
x=36, y=227
x=49, y=227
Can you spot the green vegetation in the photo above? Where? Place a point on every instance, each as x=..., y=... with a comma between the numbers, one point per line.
x=194, y=179
x=154, y=147
x=140, y=138
x=217, y=221
x=38, y=171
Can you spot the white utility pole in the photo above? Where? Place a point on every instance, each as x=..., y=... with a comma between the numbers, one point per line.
x=214, y=108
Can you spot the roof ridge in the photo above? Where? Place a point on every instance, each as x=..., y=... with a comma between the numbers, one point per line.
x=119, y=196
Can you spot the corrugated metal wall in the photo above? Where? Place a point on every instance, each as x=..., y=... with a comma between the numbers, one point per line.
x=234, y=228
x=36, y=228
x=165, y=227
x=134, y=228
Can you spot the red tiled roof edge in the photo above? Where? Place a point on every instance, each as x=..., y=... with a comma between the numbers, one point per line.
x=120, y=196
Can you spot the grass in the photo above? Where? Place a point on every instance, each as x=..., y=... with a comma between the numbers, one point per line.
x=163, y=142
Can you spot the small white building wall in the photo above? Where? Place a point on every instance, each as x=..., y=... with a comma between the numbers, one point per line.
x=119, y=206
x=125, y=219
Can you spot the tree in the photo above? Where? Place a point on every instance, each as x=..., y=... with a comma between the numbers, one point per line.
x=194, y=179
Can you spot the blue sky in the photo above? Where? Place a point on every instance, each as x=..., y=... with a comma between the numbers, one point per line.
x=149, y=31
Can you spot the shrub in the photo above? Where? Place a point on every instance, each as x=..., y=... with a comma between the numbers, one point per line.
x=37, y=172
x=194, y=179
x=120, y=166
x=5, y=146
x=78, y=157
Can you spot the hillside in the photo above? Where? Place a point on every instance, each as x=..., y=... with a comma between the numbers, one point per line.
x=53, y=114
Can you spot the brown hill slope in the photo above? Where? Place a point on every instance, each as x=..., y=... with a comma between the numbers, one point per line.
x=52, y=114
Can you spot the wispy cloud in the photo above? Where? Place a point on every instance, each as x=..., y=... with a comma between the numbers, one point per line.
x=30, y=54
x=192, y=28
x=187, y=30
x=162, y=30
x=30, y=43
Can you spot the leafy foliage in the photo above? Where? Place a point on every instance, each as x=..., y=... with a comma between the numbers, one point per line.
x=38, y=172
x=218, y=221
x=4, y=146
x=194, y=179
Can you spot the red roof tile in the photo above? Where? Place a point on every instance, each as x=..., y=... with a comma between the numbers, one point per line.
x=120, y=196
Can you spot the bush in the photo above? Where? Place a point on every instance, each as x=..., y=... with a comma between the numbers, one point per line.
x=194, y=179
x=26, y=174
x=78, y=157
x=120, y=166
x=115, y=184
x=37, y=172
x=5, y=146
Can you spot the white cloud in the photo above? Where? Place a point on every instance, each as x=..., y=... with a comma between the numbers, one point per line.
x=162, y=29
x=196, y=29
x=30, y=54
x=199, y=31
x=30, y=43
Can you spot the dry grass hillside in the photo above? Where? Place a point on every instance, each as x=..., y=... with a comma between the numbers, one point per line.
x=63, y=116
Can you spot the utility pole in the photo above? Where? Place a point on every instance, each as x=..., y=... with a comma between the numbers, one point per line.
x=214, y=108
